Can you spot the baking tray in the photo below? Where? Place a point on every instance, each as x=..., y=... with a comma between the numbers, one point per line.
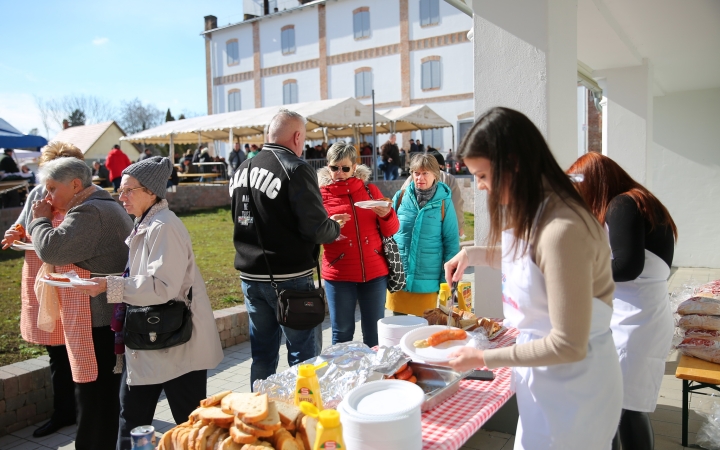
x=438, y=382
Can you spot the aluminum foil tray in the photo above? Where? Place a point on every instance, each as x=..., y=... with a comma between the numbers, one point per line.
x=439, y=383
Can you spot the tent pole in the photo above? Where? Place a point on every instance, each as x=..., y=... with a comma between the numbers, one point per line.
x=374, y=148
x=172, y=149
x=232, y=144
x=199, y=139
x=452, y=129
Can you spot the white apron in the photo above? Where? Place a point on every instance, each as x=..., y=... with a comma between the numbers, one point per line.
x=643, y=327
x=567, y=406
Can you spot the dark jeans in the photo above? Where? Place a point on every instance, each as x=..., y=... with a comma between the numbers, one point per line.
x=63, y=385
x=116, y=183
x=138, y=402
x=390, y=171
x=342, y=297
x=265, y=331
x=98, y=402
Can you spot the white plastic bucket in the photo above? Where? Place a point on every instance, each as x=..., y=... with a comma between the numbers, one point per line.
x=392, y=329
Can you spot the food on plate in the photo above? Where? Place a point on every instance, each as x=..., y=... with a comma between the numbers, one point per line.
x=21, y=229
x=699, y=305
x=230, y=422
x=56, y=277
x=435, y=339
x=701, y=322
x=490, y=326
x=701, y=348
x=461, y=319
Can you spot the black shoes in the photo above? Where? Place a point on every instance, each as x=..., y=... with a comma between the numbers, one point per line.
x=50, y=427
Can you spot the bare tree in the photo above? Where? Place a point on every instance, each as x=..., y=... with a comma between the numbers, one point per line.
x=54, y=110
x=136, y=117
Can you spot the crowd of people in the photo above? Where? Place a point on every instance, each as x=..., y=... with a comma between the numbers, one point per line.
x=589, y=357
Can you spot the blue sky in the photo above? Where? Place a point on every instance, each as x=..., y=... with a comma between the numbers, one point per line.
x=114, y=50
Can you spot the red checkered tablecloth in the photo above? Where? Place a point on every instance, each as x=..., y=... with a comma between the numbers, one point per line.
x=451, y=424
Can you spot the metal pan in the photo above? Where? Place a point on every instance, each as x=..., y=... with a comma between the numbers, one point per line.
x=439, y=383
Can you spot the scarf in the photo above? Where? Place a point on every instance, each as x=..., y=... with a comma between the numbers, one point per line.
x=425, y=195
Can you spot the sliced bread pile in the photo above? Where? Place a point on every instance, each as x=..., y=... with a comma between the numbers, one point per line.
x=700, y=323
x=242, y=421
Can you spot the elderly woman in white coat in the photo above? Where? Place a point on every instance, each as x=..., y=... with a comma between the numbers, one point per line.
x=161, y=268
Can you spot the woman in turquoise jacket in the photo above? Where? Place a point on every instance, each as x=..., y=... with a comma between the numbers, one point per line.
x=427, y=239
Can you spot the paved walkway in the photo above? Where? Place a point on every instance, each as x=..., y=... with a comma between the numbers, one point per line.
x=234, y=374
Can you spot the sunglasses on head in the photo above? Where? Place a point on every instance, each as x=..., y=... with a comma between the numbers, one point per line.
x=345, y=169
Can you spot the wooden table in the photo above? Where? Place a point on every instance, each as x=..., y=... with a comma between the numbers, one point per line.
x=696, y=374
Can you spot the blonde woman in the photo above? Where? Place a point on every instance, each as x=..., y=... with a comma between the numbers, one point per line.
x=428, y=236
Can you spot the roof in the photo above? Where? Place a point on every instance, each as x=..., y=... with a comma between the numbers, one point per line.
x=84, y=136
x=255, y=19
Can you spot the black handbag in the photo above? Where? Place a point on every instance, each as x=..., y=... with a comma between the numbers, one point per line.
x=299, y=310
x=157, y=327
x=396, y=273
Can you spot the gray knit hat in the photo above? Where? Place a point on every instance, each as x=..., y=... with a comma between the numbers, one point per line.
x=152, y=173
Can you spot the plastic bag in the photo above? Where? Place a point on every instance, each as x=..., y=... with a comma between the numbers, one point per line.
x=708, y=435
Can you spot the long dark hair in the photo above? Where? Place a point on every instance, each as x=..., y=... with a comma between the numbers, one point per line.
x=604, y=180
x=521, y=162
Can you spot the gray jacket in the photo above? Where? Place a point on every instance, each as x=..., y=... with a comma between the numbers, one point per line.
x=92, y=236
x=162, y=268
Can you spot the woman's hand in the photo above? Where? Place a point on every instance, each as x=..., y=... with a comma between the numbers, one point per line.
x=341, y=219
x=10, y=237
x=42, y=209
x=93, y=290
x=466, y=358
x=455, y=268
x=381, y=211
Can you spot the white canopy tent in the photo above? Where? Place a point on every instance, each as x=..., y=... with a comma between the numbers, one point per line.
x=336, y=117
x=413, y=118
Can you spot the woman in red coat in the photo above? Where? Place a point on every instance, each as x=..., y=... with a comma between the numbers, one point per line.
x=354, y=266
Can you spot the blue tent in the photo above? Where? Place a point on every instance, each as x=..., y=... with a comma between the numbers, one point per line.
x=10, y=137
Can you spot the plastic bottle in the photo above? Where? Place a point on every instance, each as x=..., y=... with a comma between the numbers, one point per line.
x=443, y=294
x=329, y=429
x=307, y=387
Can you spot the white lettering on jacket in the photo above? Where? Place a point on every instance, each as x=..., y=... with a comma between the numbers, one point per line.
x=260, y=179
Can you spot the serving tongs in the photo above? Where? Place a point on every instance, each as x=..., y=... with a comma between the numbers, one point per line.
x=453, y=300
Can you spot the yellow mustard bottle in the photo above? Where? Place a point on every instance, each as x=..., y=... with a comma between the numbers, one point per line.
x=443, y=294
x=329, y=429
x=307, y=387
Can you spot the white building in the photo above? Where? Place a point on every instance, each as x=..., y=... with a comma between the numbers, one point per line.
x=409, y=51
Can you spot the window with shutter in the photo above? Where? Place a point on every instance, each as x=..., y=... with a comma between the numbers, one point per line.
x=433, y=138
x=429, y=12
x=290, y=93
x=430, y=74
x=361, y=23
x=287, y=39
x=234, y=100
x=363, y=83
x=232, y=50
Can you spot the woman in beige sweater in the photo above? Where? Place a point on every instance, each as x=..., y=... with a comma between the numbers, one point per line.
x=557, y=288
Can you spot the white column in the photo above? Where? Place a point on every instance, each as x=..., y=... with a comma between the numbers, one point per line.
x=526, y=59
x=628, y=117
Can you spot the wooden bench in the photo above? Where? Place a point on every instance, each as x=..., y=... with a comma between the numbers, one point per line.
x=696, y=374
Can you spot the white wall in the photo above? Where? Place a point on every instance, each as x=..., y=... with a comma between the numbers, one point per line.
x=243, y=34
x=306, y=37
x=452, y=20
x=386, y=78
x=308, y=82
x=684, y=172
x=247, y=96
x=384, y=25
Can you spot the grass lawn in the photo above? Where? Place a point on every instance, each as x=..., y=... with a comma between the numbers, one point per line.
x=211, y=234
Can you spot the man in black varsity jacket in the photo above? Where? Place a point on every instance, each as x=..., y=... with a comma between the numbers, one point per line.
x=292, y=222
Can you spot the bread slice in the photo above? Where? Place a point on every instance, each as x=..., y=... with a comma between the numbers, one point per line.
x=308, y=431
x=226, y=402
x=183, y=438
x=212, y=440
x=288, y=412
x=214, y=399
x=240, y=437
x=251, y=429
x=229, y=444
x=283, y=440
x=223, y=435
x=260, y=445
x=251, y=409
x=213, y=415
x=192, y=437
x=166, y=440
x=272, y=422
x=201, y=439
x=299, y=442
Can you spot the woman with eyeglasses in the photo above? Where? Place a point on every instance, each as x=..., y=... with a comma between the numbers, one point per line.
x=428, y=236
x=354, y=268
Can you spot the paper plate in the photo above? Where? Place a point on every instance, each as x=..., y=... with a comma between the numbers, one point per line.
x=368, y=204
x=22, y=247
x=67, y=284
x=438, y=354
